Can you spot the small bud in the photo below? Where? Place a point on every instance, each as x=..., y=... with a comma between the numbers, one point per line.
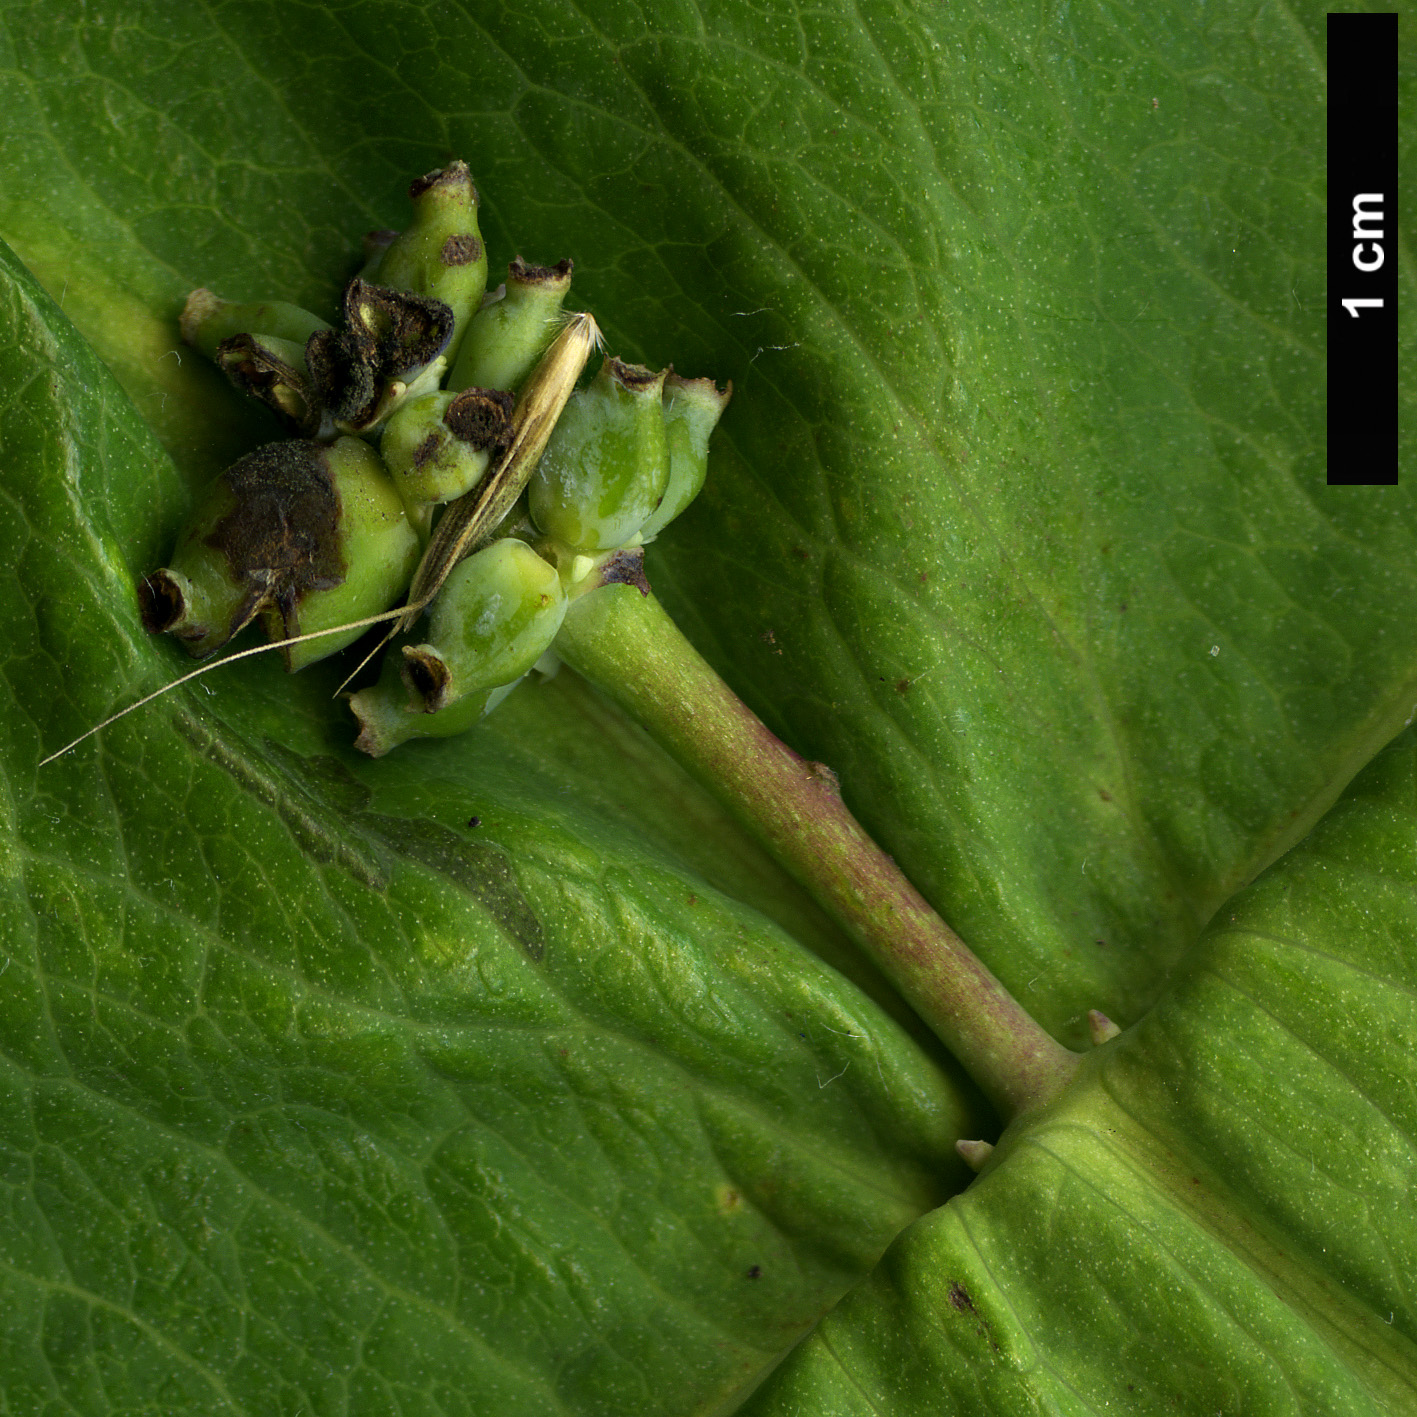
x=691, y=409
x=389, y=348
x=1100, y=1028
x=438, y=446
x=496, y=615
x=507, y=336
x=273, y=371
x=306, y=536
x=207, y=320
x=606, y=466
x=975, y=1153
x=440, y=254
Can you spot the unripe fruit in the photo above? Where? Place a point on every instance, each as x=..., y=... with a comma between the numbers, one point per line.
x=388, y=715
x=304, y=535
x=606, y=466
x=438, y=446
x=508, y=335
x=691, y=408
x=495, y=616
x=440, y=254
x=207, y=320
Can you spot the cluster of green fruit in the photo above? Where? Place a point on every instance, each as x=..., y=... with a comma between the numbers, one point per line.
x=441, y=444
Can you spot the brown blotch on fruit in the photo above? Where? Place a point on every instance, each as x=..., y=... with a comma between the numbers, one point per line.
x=481, y=417
x=634, y=377
x=959, y=1297
x=281, y=539
x=385, y=334
x=427, y=676
x=460, y=250
x=427, y=449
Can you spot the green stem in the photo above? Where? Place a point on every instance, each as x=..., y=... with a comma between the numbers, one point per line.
x=625, y=643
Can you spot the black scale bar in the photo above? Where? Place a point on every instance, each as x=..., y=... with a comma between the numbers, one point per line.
x=1362, y=249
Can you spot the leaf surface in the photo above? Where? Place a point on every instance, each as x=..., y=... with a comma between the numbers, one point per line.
x=1217, y=1218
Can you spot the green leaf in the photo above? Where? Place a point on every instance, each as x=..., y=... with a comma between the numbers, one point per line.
x=1218, y=1216
x=1017, y=519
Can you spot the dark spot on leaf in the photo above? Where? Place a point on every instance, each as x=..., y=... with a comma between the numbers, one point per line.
x=755, y=1271
x=319, y=825
x=461, y=249
x=478, y=867
x=333, y=780
x=959, y=1297
x=305, y=790
x=902, y=686
x=1103, y=793
x=801, y=553
x=474, y=822
x=1103, y=943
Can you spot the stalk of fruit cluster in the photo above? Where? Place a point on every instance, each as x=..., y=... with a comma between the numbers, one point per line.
x=621, y=639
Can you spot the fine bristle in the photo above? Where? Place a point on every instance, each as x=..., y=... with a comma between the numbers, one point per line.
x=221, y=664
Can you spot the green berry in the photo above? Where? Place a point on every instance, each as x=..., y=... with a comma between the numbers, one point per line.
x=606, y=466
x=304, y=535
x=207, y=320
x=495, y=616
x=438, y=446
x=510, y=333
x=379, y=547
x=440, y=254
x=691, y=408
